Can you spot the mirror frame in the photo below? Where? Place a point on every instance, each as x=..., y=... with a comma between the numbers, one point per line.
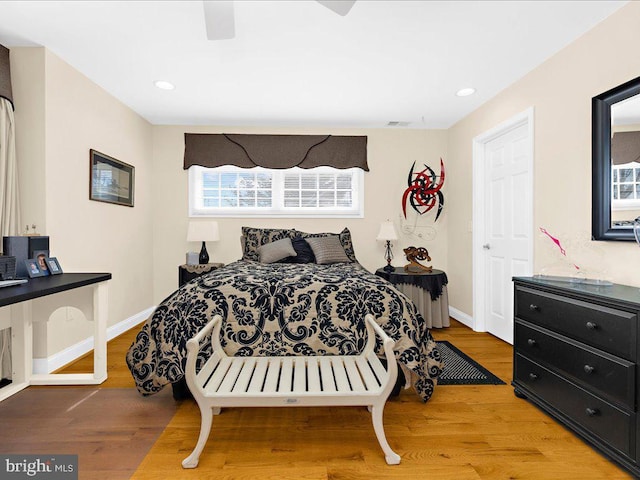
x=601, y=162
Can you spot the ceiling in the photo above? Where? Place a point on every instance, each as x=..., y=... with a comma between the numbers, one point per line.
x=297, y=63
x=626, y=112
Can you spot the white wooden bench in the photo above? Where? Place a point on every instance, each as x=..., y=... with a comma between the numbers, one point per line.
x=352, y=380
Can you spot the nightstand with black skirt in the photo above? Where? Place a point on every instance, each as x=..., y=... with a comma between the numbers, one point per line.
x=187, y=273
x=428, y=290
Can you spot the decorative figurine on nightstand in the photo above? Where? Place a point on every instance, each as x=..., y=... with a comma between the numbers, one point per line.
x=413, y=255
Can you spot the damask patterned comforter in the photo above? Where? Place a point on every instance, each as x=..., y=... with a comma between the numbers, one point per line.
x=282, y=309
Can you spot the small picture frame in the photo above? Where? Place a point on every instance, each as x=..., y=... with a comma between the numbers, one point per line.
x=33, y=268
x=41, y=257
x=53, y=265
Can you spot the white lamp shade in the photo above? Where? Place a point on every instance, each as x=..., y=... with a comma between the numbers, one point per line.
x=387, y=231
x=203, y=231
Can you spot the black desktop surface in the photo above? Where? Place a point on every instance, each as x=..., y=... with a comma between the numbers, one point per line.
x=43, y=286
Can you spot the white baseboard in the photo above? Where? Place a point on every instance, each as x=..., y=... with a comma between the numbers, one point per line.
x=127, y=324
x=461, y=317
x=69, y=354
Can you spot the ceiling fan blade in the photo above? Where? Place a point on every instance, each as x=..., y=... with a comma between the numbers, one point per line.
x=219, y=19
x=341, y=7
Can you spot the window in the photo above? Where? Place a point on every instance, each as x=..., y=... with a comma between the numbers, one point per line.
x=295, y=192
x=625, y=186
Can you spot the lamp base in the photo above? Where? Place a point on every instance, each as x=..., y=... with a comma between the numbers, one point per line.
x=388, y=255
x=204, y=255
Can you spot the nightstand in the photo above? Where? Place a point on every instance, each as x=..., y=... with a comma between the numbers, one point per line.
x=189, y=272
x=428, y=290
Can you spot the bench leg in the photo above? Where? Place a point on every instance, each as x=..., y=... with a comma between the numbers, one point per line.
x=407, y=375
x=206, y=415
x=390, y=456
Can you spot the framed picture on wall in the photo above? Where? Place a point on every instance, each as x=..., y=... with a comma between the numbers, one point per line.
x=111, y=180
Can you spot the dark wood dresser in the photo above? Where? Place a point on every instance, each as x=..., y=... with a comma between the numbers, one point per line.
x=576, y=355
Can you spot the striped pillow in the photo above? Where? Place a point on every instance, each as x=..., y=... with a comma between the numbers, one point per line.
x=345, y=239
x=327, y=249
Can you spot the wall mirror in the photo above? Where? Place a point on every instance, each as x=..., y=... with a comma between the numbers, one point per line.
x=616, y=162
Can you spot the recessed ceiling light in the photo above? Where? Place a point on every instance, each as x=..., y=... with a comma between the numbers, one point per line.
x=465, y=92
x=164, y=85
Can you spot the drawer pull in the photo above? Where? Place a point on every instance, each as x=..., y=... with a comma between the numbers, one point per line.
x=591, y=326
x=589, y=369
x=533, y=376
x=592, y=412
x=531, y=342
x=534, y=308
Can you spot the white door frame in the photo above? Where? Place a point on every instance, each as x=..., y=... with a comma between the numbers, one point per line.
x=479, y=214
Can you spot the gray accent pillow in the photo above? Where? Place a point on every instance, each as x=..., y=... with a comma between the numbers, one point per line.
x=275, y=251
x=254, y=237
x=345, y=239
x=327, y=249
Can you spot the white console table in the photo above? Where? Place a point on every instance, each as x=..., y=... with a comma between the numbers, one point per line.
x=19, y=299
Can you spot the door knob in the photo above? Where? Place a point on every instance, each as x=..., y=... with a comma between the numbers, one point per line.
x=486, y=246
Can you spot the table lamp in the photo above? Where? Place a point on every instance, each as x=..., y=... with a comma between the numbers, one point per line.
x=387, y=233
x=203, y=231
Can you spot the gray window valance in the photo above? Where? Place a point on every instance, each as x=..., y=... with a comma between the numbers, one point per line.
x=275, y=151
x=5, y=75
x=625, y=147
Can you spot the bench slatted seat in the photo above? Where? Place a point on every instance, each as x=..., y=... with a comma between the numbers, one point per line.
x=331, y=380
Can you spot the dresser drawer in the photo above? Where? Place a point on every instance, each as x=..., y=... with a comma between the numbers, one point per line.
x=610, y=329
x=613, y=377
x=592, y=413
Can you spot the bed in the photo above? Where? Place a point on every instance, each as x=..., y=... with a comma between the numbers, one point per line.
x=310, y=297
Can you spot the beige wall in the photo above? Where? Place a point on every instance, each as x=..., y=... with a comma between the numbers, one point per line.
x=60, y=115
x=628, y=215
x=390, y=155
x=625, y=128
x=560, y=90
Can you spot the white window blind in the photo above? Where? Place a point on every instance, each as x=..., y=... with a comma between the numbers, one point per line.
x=295, y=192
x=625, y=186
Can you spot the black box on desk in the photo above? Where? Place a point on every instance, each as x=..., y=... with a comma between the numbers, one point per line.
x=7, y=268
x=24, y=248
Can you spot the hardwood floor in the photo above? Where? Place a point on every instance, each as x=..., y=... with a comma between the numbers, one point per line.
x=463, y=432
x=109, y=429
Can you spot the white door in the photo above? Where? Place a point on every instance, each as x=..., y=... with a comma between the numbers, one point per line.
x=505, y=240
